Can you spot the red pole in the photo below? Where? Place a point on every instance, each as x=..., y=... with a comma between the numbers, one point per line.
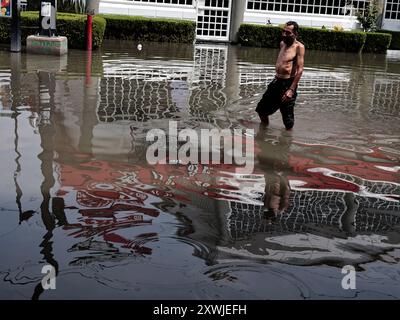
x=88, y=78
x=89, y=28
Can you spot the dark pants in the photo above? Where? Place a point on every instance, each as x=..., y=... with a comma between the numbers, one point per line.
x=272, y=101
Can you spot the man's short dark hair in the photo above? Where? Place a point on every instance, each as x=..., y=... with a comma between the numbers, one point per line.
x=295, y=26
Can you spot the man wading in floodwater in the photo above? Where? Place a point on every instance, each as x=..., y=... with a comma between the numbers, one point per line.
x=281, y=93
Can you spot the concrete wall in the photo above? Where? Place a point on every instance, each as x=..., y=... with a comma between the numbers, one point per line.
x=302, y=19
x=152, y=10
x=389, y=24
x=189, y=12
x=393, y=25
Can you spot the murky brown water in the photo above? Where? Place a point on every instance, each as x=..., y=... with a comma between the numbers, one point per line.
x=77, y=192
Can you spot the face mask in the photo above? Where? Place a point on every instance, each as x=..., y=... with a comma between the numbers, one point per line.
x=288, y=40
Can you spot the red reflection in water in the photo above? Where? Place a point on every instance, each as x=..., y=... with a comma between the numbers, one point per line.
x=104, y=190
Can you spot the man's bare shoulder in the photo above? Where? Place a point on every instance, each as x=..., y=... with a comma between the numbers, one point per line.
x=300, y=46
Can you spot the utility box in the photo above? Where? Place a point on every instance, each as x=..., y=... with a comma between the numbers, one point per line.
x=47, y=18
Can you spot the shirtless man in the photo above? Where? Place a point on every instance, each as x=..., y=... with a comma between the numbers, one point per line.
x=281, y=93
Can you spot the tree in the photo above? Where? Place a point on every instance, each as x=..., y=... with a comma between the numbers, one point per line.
x=72, y=6
x=369, y=17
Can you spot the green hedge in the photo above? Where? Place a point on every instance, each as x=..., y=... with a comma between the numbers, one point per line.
x=149, y=29
x=73, y=26
x=318, y=39
x=323, y=39
x=377, y=42
x=259, y=36
x=395, y=43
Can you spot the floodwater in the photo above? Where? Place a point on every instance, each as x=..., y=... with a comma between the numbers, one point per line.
x=77, y=192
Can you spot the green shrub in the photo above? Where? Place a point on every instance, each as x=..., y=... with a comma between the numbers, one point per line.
x=73, y=26
x=253, y=35
x=318, y=39
x=395, y=43
x=369, y=17
x=377, y=42
x=149, y=29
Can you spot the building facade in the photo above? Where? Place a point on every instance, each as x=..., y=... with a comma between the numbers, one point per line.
x=219, y=20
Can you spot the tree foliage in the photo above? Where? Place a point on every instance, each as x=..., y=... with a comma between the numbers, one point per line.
x=369, y=17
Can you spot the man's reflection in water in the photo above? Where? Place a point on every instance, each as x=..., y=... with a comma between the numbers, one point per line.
x=274, y=161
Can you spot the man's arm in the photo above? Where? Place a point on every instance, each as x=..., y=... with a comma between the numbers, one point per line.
x=300, y=67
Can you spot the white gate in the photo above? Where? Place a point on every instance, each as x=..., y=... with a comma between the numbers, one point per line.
x=213, y=19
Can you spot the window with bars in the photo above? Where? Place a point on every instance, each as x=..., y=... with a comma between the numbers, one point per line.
x=181, y=2
x=212, y=23
x=386, y=97
x=392, y=9
x=139, y=91
x=217, y=3
x=328, y=7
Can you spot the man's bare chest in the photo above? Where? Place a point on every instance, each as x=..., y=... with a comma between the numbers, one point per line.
x=286, y=55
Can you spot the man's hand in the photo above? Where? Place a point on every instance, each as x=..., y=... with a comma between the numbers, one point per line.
x=288, y=95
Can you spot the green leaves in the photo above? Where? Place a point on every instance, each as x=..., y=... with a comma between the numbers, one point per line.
x=369, y=17
x=395, y=43
x=317, y=39
x=377, y=42
x=73, y=26
x=149, y=29
x=259, y=36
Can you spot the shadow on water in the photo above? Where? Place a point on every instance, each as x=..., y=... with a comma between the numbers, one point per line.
x=113, y=226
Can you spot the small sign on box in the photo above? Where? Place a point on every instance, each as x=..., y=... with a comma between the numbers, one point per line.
x=46, y=9
x=92, y=7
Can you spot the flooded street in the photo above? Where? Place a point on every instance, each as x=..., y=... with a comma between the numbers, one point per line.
x=77, y=191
